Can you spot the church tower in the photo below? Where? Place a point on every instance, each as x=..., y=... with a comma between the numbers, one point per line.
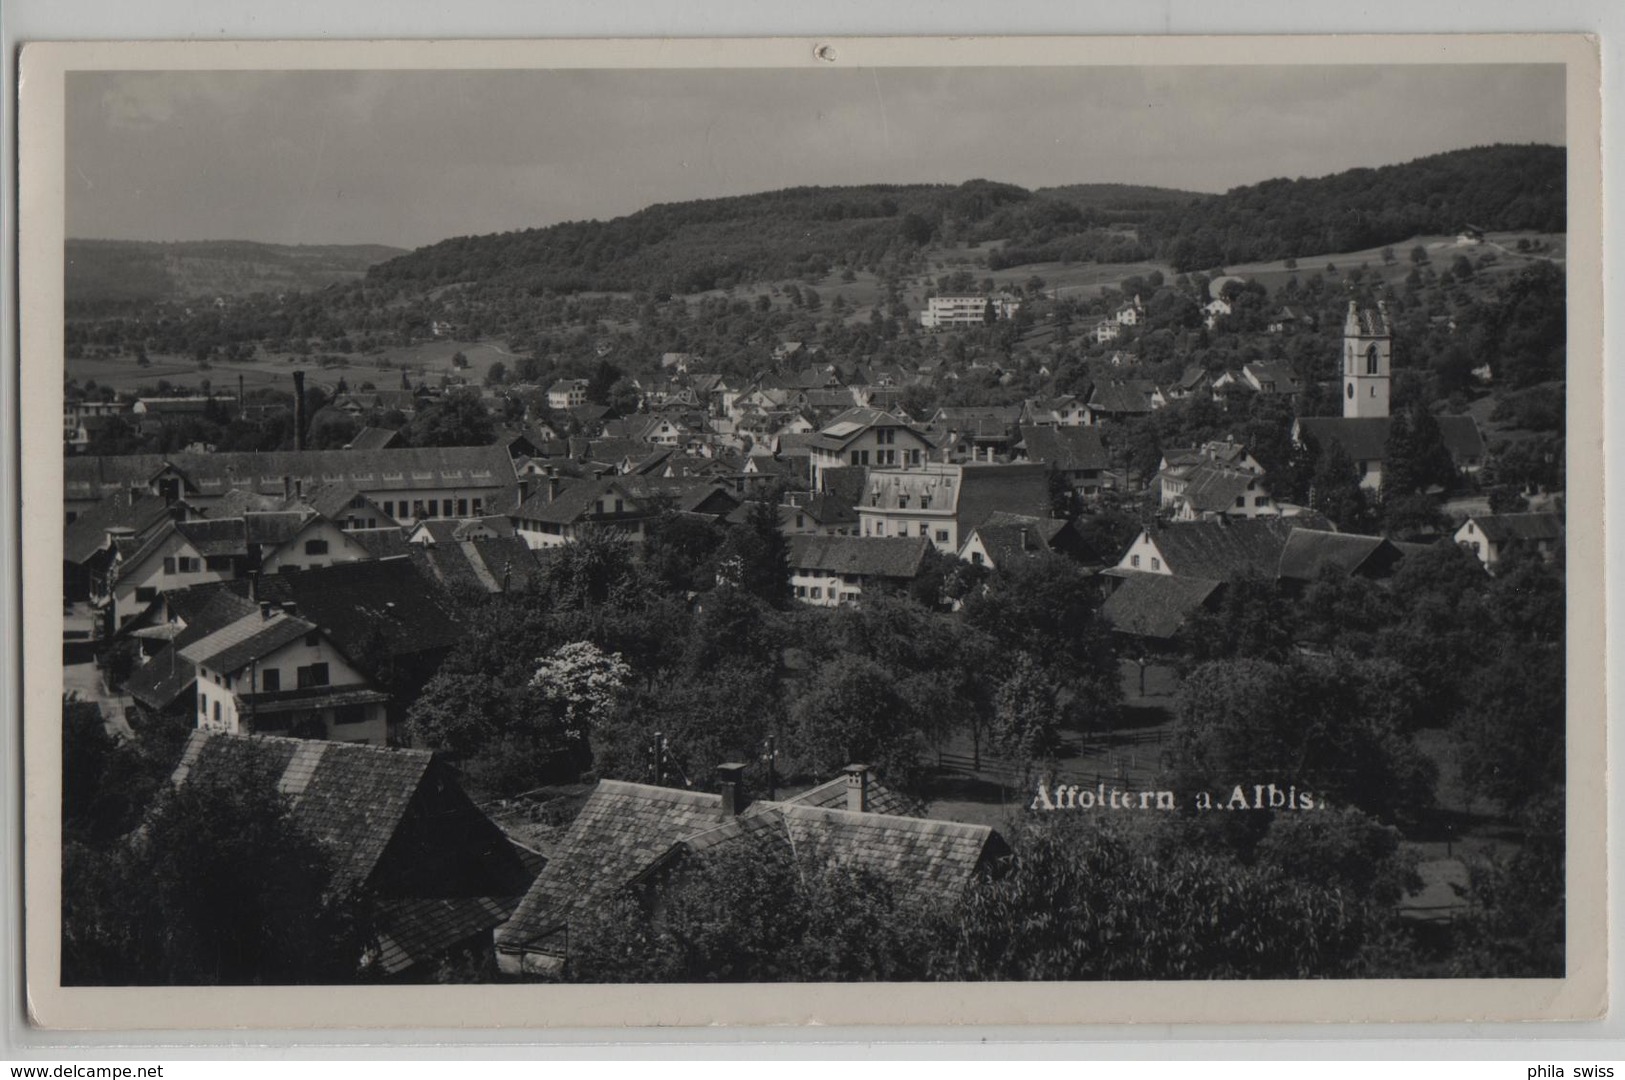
x=1368, y=354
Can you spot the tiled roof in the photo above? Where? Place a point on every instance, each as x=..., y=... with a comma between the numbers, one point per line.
x=216, y=537
x=878, y=798
x=383, y=605
x=237, y=502
x=381, y=543
x=1366, y=438
x=272, y=530
x=1499, y=528
x=887, y=557
x=987, y=489
x=1067, y=449
x=486, y=565
x=1007, y=537
x=300, y=700
x=1371, y=322
x=1155, y=605
x=1226, y=549
x=1120, y=397
x=415, y=929
x=87, y=534
x=232, y=647
x=157, y=683
x=622, y=829
x=1309, y=551
x=1214, y=488
x=407, y=469
x=350, y=797
x=373, y=438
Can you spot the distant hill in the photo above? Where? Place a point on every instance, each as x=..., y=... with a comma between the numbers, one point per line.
x=777, y=235
x=1493, y=187
x=804, y=232
x=1120, y=196
x=113, y=272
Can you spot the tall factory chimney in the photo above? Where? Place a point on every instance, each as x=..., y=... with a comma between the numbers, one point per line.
x=299, y=410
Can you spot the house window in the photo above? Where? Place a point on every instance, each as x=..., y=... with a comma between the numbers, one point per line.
x=202, y=705
x=1262, y=500
x=976, y=558
x=315, y=547
x=462, y=507
x=389, y=508
x=817, y=592
x=479, y=508
x=146, y=594
x=169, y=564
x=1156, y=564
x=350, y=714
x=417, y=508
x=620, y=506
x=1351, y=390
x=801, y=521
x=188, y=565
x=1371, y=360
x=1241, y=500
x=1134, y=561
x=445, y=508
x=217, y=712
x=942, y=536
x=854, y=457
x=314, y=675
x=271, y=680
x=902, y=502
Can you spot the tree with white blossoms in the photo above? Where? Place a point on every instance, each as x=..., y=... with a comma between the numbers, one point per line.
x=583, y=683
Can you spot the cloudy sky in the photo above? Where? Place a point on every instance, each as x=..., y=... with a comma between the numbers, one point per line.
x=407, y=158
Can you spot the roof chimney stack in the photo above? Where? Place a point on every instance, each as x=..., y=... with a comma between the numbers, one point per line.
x=731, y=781
x=290, y=608
x=857, y=788
x=265, y=610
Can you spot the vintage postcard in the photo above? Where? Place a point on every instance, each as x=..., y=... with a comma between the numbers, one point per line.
x=786, y=532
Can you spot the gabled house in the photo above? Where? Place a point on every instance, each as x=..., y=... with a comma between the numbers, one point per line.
x=271, y=672
x=1366, y=441
x=1152, y=607
x=1491, y=536
x=864, y=437
x=400, y=830
x=560, y=511
x=1272, y=378
x=830, y=570
x=567, y=394
x=1076, y=454
x=1007, y=538
x=1067, y=410
x=943, y=503
x=1209, y=489
x=627, y=835
x=1311, y=553
x=1222, y=550
x=1119, y=399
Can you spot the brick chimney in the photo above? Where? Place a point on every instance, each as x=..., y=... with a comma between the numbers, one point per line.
x=265, y=610
x=731, y=782
x=857, y=788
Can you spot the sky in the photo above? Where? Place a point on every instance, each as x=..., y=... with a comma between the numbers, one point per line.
x=409, y=158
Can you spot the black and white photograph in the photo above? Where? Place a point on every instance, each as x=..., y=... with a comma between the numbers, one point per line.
x=550, y=525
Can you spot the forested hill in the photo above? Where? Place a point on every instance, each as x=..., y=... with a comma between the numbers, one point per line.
x=1493, y=187
x=138, y=271
x=691, y=246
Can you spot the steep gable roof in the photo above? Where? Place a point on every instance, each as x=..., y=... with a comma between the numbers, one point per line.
x=886, y=557
x=1224, y=550
x=1066, y=449
x=1214, y=488
x=86, y=535
x=622, y=829
x=349, y=796
x=1007, y=537
x=232, y=647
x=1499, y=528
x=987, y=489
x=1309, y=551
x=1155, y=605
